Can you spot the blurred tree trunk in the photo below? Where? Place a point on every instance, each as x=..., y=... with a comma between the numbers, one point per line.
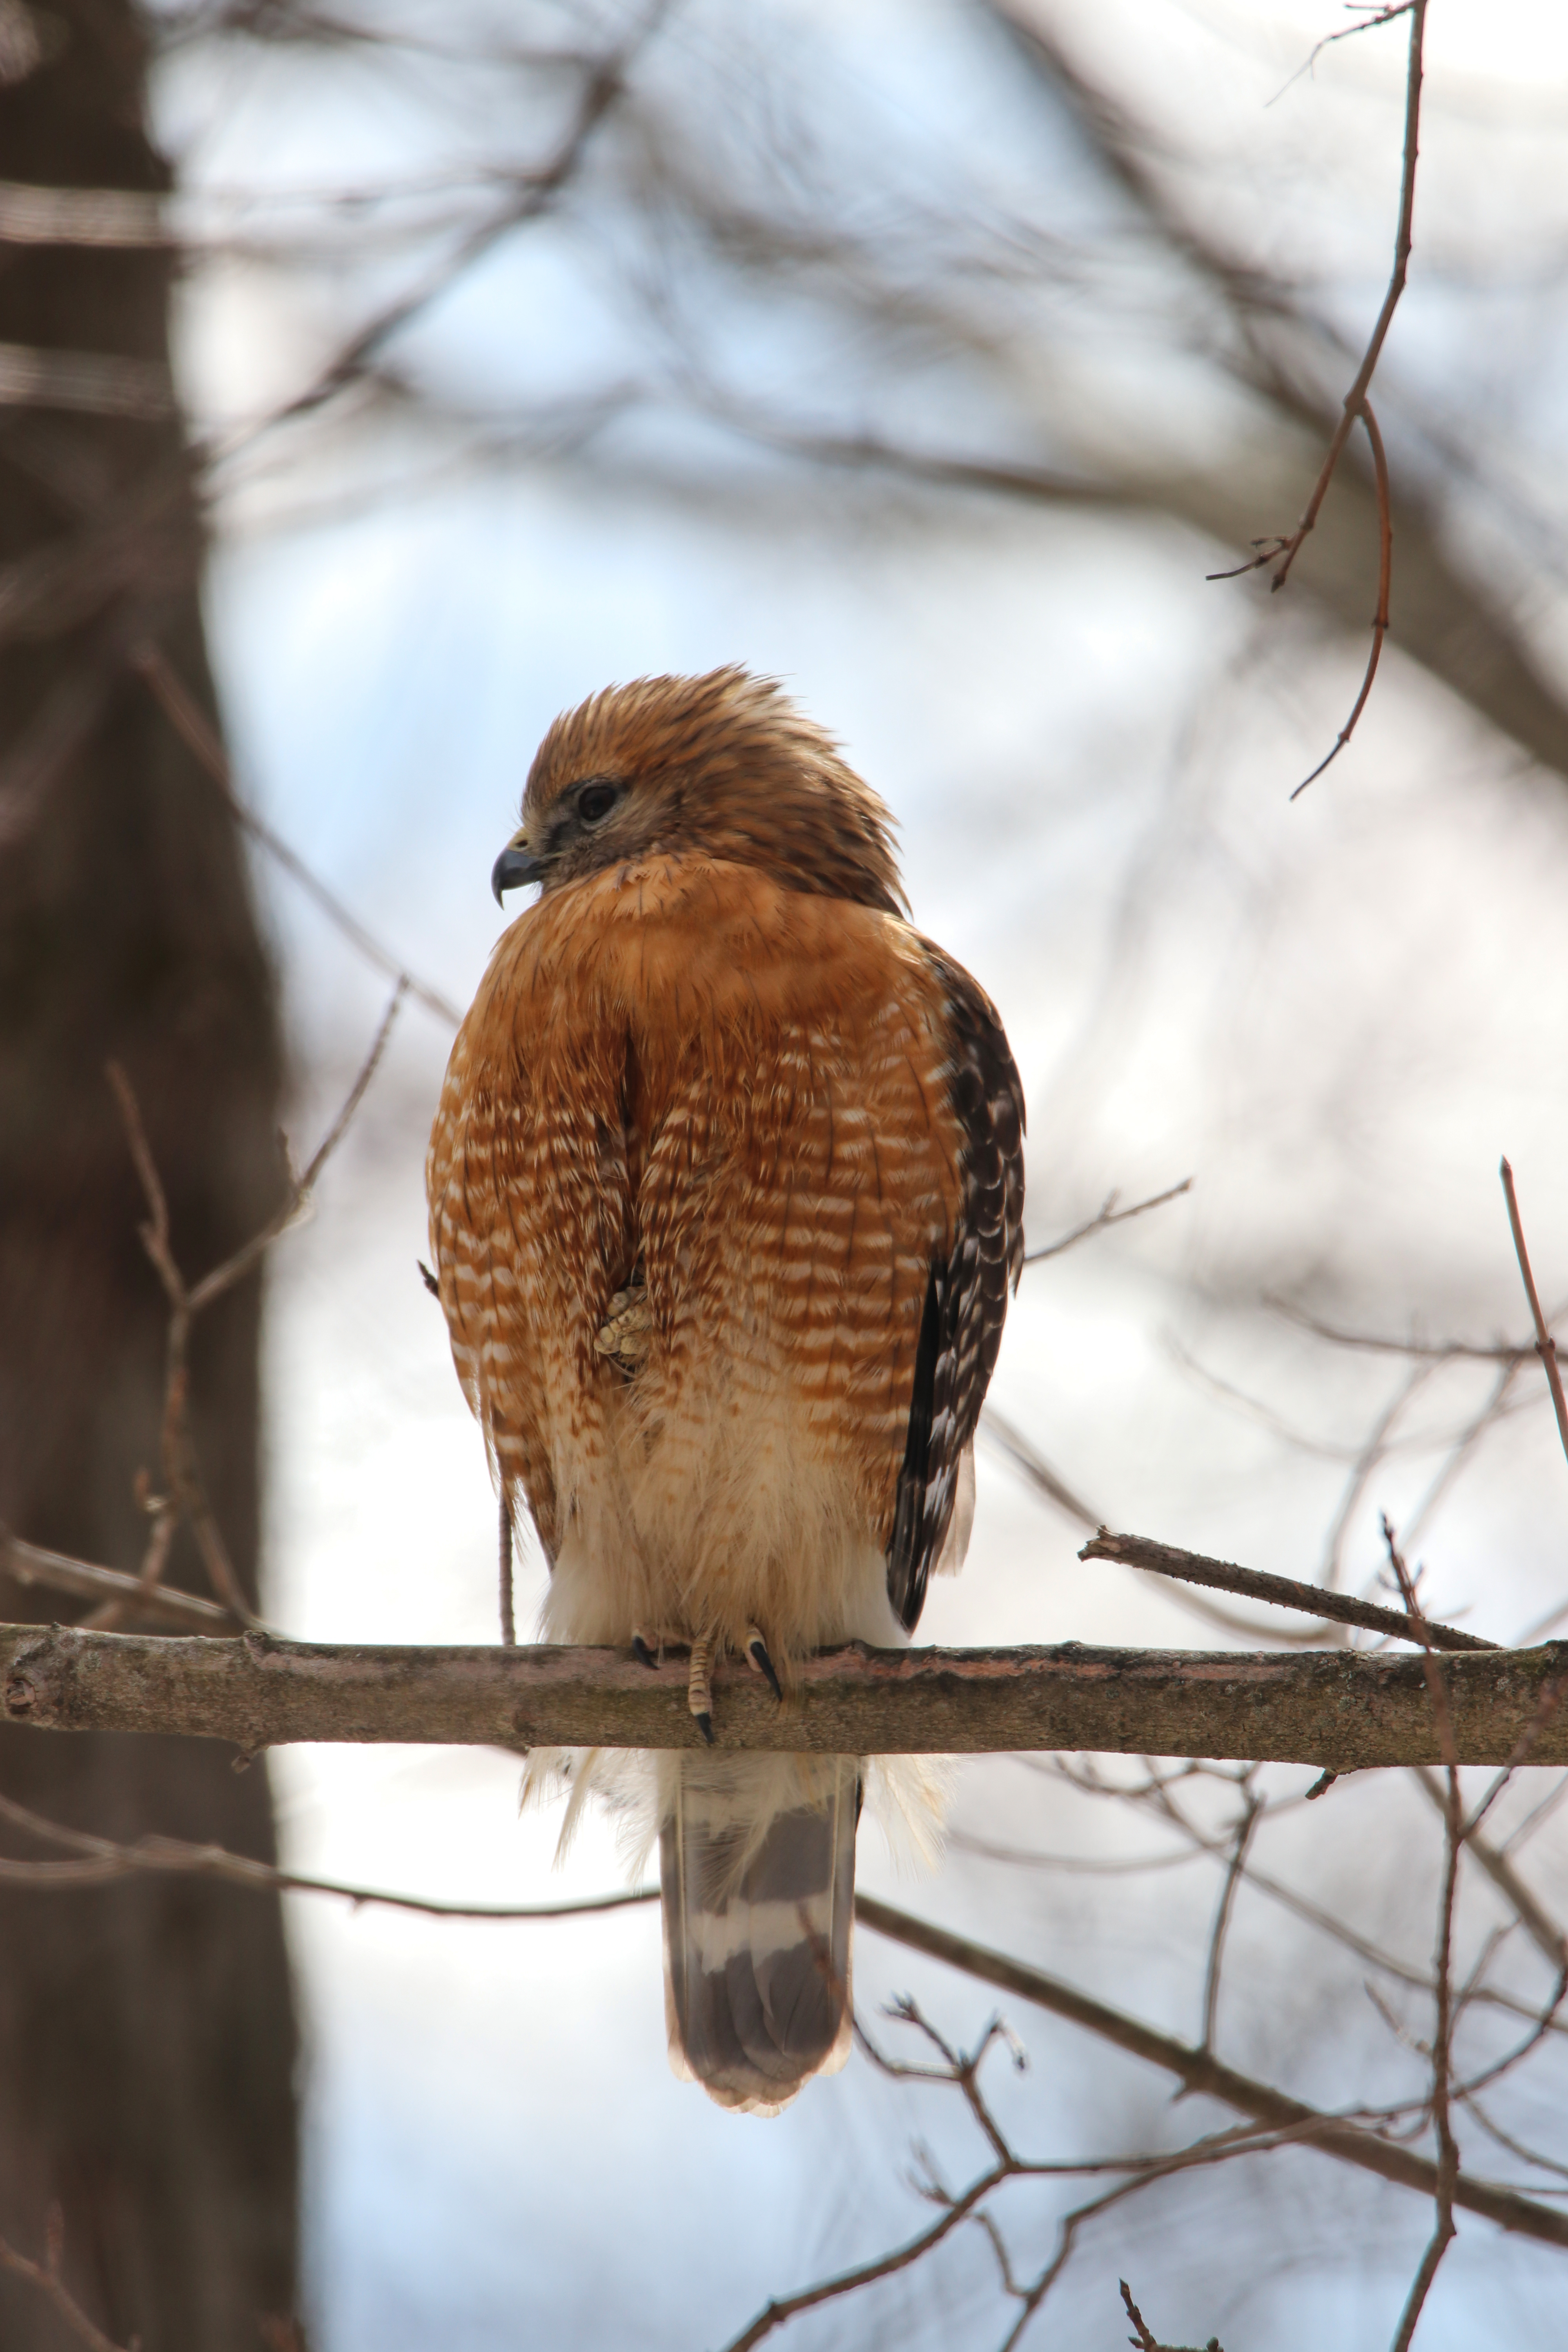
x=147, y=2038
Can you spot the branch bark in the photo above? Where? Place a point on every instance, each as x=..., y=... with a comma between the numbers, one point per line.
x=1339, y=1710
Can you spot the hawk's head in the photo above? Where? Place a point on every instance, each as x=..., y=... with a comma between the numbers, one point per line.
x=723, y=765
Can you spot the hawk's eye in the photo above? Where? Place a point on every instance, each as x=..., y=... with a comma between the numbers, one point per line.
x=595, y=801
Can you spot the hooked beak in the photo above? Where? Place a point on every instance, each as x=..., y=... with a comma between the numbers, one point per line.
x=514, y=867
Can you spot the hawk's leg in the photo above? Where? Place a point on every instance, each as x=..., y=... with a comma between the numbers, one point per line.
x=699, y=1685
x=757, y=1658
x=626, y=1334
x=706, y=1651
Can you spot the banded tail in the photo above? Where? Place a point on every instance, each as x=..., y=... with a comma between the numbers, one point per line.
x=757, y=1864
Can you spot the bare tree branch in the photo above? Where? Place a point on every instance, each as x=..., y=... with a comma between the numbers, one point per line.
x=1200, y=2070
x=30, y=1564
x=1283, y=1591
x=1343, y=1710
x=103, y=1860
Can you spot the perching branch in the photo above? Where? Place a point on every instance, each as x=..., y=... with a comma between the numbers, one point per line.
x=1342, y=1710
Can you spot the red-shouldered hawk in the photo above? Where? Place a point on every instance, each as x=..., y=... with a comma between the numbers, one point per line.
x=726, y=1194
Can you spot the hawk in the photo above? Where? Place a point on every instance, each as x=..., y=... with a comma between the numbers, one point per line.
x=726, y=1194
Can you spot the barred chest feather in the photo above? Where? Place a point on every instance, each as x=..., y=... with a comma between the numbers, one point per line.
x=733, y=1097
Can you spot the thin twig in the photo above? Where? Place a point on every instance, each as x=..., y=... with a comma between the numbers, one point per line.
x=1489, y=2125
x=184, y=1490
x=1436, y=1351
x=1201, y=1848
x=960, y=2072
x=108, y=1858
x=223, y=1277
x=1544, y=2019
x=1371, y=20
x=1542, y=1931
x=30, y=1564
x=1385, y=582
x=1544, y=1342
x=1282, y=1592
x=1373, y=1451
x=1023, y=1456
x=1277, y=555
x=1108, y=1215
x=1252, y=1807
x=190, y=722
x=1146, y=2339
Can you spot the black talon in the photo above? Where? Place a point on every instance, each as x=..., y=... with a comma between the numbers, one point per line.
x=705, y=1726
x=757, y=1651
x=640, y=1651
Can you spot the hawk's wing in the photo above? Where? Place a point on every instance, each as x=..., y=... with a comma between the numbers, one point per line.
x=966, y=1297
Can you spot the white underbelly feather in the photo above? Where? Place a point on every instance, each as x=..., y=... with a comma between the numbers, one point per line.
x=715, y=1508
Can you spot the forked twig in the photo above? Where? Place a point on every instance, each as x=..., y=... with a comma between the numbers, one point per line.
x=1277, y=555
x=1108, y=1215
x=184, y=1495
x=46, y=2276
x=1145, y=2339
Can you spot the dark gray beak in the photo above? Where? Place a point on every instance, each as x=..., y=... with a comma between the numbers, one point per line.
x=513, y=869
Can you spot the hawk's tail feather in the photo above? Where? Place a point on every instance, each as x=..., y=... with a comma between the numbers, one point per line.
x=758, y=1877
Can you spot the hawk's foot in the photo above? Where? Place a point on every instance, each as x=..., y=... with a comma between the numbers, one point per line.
x=626, y=1335
x=757, y=1658
x=649, y=1643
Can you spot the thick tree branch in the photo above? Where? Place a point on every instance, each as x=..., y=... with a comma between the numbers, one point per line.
x=1337, y=1709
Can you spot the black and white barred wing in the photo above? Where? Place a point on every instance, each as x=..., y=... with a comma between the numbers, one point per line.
x=966, y=1298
